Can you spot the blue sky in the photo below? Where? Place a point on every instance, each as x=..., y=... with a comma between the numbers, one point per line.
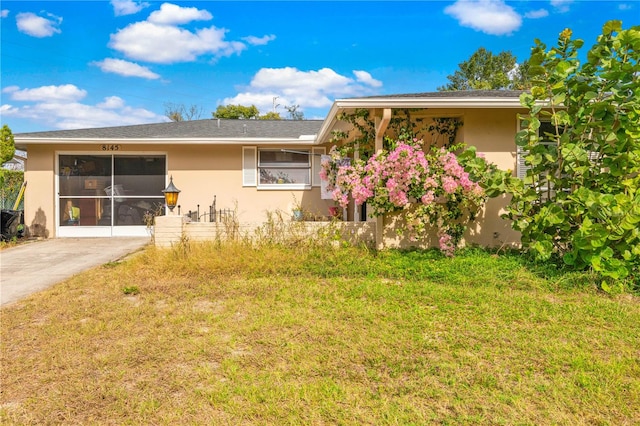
x=79, y=64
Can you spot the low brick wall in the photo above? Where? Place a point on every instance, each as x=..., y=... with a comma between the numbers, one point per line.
x=169, y=230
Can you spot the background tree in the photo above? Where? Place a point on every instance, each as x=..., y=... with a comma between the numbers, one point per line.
x=179, y=112
x=486, y=71
x=7, y=145
x=294, y=112
x=580, y=200
x=10, y=180
x=237, y=112
x=271, y=115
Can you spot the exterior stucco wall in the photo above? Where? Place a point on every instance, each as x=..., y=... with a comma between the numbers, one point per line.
x=39, y=174
x=492, y=132
x=203, y=171
x=199, y=171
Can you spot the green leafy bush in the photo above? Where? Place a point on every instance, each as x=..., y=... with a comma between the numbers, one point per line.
x=580, y=200
x=10, y=183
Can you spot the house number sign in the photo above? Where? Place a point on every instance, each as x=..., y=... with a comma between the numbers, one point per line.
x=110, y=147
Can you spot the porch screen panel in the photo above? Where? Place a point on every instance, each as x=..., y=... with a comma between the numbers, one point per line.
x=82, y=180
x=138, y=182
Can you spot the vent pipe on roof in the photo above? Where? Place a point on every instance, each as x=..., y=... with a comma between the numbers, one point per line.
x=218, y=123
x=244, y=128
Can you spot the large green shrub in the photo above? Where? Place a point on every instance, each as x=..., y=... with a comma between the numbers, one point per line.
x=10, y=183
x=580, y=200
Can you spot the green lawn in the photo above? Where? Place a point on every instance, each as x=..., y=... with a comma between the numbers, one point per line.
x=229, y=334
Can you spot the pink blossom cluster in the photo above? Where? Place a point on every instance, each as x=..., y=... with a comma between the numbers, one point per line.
x=325, y=166
x=400, y=171
x=402, y=175
x=347, y=179
x=455, y=176
x=329, y=168
x=393, y=180
x=446, y=244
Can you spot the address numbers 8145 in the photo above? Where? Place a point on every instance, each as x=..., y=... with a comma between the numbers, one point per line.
x=115, y=147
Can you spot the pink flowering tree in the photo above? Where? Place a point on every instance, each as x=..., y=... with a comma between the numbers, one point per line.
x=436, y=190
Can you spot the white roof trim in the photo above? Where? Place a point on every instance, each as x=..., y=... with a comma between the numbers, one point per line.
x=303, y=140
x=429, y=102
x=411, y=102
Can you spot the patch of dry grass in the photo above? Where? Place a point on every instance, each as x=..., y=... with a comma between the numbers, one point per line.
x=229, y=334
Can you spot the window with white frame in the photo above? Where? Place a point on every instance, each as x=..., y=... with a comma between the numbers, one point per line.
x=277, y=168
x=544, y=131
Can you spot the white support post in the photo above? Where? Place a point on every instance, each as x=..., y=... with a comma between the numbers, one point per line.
x=381, y=124
x=356, y=208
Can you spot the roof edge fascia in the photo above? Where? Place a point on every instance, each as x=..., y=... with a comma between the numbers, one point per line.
x=448, y=102
x=329, y=123
x=408, y=102
x=165, y=141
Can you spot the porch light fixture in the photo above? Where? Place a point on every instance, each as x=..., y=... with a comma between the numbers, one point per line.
x=171, y=195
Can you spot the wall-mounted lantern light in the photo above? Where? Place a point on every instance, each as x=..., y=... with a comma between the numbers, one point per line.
x=171, y=195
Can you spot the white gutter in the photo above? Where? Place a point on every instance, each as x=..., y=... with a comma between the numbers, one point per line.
x=431, y=102
x=305, y=140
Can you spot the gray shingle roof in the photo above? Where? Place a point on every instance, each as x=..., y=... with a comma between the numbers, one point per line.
x=212, y=128
x=455, y=94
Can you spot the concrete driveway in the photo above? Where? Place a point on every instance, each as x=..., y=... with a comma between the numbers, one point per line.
x=34, y=266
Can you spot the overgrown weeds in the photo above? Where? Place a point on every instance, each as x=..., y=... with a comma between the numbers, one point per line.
x=295, y=333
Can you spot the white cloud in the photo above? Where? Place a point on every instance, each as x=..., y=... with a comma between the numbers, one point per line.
x=309, y=89
x=127, y=7
x=4, y=13
x=625, y=6
x=112, y=102
x=164, y=44
x=38, y=26
x=264, y=101
x=365, y=78
x=561, y=5
x=65, y=92
x=170, y=14
x=513, y=72
x=68, y=113
x=10, y=89
x=259, y=41
x=160, y=39
x=125, y=68
x=536, y=14
x=7, y=110
x=79, y=116
x=489, y=16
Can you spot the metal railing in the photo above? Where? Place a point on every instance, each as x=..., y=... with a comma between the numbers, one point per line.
x=212, y=214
